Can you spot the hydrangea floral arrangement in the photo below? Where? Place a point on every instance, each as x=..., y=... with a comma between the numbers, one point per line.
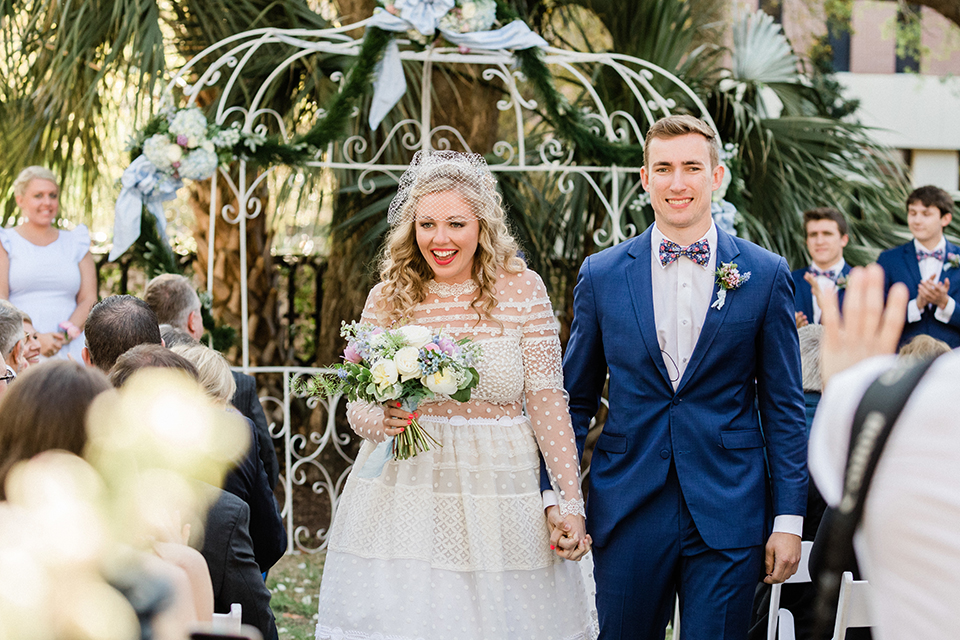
x=181, y=144
x=406, y=364
x=469, y=16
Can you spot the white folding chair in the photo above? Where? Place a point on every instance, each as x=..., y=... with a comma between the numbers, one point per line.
x=786, y=629
x=775, y=613
x=853, y=607
x=228, y=622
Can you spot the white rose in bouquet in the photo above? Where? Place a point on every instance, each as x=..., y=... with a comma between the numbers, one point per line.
x=407, y=361
x=384, y=373
x=443, y=382
x=155, y=148
x=174, y=153
x=416, y=335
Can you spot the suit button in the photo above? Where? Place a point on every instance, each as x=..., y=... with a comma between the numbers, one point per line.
x=664, y=454
x=676, y=401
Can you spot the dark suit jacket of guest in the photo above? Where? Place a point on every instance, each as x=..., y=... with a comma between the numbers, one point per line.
x=803, y=297
x=900, y=265
x=228, y=549
x=248, y=481
x=246, y=401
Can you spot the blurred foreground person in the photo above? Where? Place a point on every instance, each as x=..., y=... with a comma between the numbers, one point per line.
x=30, y=425
x=907, y=544
x=224, y=540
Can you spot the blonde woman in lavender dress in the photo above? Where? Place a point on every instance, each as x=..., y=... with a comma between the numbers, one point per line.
x=454, y=543
x=45, y=271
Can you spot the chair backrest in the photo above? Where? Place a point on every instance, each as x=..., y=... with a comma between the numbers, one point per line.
x=802, y=575
x=229, y=622
x=786, y=630
x=853, y=607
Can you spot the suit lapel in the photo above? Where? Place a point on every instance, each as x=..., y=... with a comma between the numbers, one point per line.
x=640, y=285
x=806, y=298
x=946, y=271
x=844, y=273
x=727, y=251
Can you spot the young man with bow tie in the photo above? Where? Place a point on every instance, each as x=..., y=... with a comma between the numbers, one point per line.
x=826, y=232
x=696, y=328
x=930, y=267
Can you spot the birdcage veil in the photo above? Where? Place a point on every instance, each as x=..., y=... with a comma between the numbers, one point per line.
x=439, y=171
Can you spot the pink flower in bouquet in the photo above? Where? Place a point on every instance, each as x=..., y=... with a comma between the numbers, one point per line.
x=447, y=346
x=183, y=140
x=430, y=347
x=350, y=354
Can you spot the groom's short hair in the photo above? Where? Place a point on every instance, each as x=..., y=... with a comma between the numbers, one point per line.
x=676, y=126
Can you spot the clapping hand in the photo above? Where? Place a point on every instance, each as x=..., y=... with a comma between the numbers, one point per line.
x=568, y=535
x=868, y=327
x=932, y=292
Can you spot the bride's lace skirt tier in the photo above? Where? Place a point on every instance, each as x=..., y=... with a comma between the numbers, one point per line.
x=451, y=544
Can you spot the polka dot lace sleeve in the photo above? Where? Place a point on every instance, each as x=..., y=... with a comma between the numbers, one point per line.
x=364, y=418
x=546, y=404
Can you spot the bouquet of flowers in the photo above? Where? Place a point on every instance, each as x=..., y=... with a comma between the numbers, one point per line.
x=181, y=144
x=407, y=364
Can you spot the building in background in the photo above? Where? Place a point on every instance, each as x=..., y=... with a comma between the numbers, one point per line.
x=910, y=94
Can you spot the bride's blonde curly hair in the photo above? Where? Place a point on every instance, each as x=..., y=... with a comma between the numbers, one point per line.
x=403, y=270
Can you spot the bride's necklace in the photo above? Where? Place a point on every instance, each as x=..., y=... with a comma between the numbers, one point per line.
x=444, y=290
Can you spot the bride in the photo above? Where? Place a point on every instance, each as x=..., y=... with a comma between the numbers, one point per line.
x=453, y=543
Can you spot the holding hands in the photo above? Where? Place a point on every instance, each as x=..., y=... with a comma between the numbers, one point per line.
x=568, y=535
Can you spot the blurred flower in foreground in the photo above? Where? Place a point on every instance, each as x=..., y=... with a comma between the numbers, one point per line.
x=70, y=527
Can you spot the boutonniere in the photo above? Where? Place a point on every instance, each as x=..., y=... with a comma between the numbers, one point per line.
x=728, y=278
x=952, y=261
x=841, y=282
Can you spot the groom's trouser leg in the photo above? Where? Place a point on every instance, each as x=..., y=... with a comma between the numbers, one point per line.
x=716, y=586
x=636, y=570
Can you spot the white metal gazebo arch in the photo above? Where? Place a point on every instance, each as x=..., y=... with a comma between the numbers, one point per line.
x=616, y=187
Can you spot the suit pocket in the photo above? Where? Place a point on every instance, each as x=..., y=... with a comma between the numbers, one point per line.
x=612, y=443
x=741, y=439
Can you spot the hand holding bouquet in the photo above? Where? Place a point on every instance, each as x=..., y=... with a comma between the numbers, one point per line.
x=407, y=364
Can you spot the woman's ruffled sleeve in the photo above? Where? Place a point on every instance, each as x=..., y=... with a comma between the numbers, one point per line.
x=546, y=401
x=6, y=240
x=80, y=241
x=364, y=418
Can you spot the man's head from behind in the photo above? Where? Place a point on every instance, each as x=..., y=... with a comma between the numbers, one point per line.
x=116, y=325
x=826, y=232
x=175, y=302
x=149, y=355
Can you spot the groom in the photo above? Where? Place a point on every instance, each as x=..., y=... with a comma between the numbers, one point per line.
x=688, y=476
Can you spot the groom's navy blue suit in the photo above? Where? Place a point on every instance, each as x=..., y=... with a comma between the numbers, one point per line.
x=678, y=475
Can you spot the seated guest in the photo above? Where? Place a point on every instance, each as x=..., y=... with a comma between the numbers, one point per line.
x=826, y=233
x=115, y=325
x=929, y=266
x=224, y=540
x=31, y=343
x=31, y=424
x=923, y=347
x=11, y=333
x=177, y=304
x=248, y=480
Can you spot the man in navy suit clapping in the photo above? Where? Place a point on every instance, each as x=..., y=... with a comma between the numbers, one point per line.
x=826, y=231
x=930, y=267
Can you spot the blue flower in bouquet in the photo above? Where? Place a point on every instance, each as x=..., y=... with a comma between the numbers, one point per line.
x=198, y=164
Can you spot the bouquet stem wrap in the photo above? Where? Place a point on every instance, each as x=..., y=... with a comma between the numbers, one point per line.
x=414, y=439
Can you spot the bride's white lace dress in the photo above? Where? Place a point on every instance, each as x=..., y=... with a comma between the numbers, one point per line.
x=453, y=542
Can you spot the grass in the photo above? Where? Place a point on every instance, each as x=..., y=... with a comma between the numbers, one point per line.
x=294, y=583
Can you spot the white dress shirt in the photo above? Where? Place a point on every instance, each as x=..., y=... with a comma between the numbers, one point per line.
x=931, y=267
x=907, y=545
x=826, y=285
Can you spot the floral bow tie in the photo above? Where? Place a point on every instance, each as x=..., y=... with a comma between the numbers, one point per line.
x=829, y=273
x=699, y=252
x=936, y=255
